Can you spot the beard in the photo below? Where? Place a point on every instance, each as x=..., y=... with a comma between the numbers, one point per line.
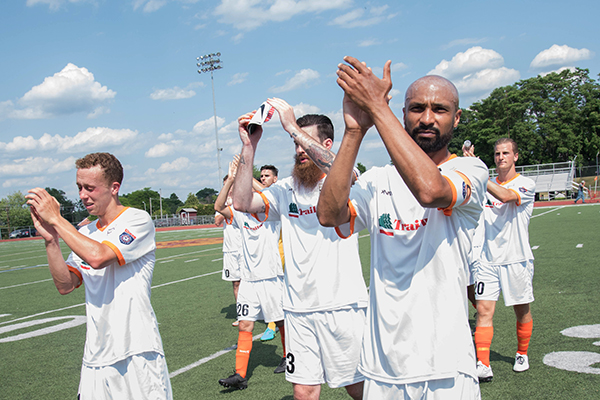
x=306, y=175
x=431, y=145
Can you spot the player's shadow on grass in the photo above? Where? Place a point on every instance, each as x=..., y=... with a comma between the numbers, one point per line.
x=229, y=311
x=499, y=357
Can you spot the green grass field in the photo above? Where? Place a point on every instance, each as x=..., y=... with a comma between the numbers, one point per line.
x=195, y=309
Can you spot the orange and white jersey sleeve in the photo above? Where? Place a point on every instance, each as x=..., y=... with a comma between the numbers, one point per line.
x=507, y=224
x=232, y=238
x=120, y=318
x=419, y=274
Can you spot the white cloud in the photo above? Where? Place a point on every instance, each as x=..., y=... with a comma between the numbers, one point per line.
x=558, y=71
x=37, y=165
x=559, y=55
x=238, y=78
x=476, y=72
x=356, y=18
x=207, y=126
x=52, y=4
x=474, y=59
x=160, y=150
x=180, y=164
x=175, y=93
x=149, y=5
x=302, y=78
x=486, y=80
x=368, y=43
x=250, y=14
x=72, y=90
x=89, y=140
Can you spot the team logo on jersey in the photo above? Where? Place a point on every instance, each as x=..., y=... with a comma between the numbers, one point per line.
x=466, y=191
x=250, y=228
x=126, y=237
x=387, y=226
x=295, y=212
x=522, y=190
x=85, y=265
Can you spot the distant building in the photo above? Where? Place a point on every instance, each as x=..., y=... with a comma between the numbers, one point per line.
x=188, y=216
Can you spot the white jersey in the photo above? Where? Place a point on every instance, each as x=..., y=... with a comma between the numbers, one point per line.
x=507, y=224
x=417, y=320
x=232, y=237
x=322, y=271
x=120, y=318
x=260, y=247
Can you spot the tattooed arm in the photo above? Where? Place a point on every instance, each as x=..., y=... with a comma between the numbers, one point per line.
x=320, y=153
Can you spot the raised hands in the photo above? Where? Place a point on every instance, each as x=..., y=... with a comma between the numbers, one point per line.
x=286, y=114
x=362, y=86
x=245, y=136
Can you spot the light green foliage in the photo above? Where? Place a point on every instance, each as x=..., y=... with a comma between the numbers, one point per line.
x=14, y=211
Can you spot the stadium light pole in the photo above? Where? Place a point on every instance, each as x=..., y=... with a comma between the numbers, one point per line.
x=210, y=63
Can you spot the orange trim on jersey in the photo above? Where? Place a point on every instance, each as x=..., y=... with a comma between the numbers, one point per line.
x=468, y=182
x=352, y=219
x=229, y=220
x=451, y=157
x=266, y=201
x=78, y=273
x=504, y=183
x=117, y=252
x=448, y=210
x=118, y=215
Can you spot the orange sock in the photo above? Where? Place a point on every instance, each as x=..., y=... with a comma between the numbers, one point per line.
x=282, y=333
x=524, y=336
x=483, y=341
x=242, y=355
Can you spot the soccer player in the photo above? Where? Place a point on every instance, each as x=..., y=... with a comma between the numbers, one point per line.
x=506, y=261
x=114, y=256
x=421, y=212
x=268, y=176
x=261, y=288
x=324, y=294
x=232, y=243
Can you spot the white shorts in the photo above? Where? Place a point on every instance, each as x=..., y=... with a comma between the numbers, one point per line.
x=142, y=377
x=260, y=300
x=232, y=266
x=463, y=387
x=515, y=280
x=324, y=347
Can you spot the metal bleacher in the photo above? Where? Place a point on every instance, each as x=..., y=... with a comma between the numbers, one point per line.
x=550, y=179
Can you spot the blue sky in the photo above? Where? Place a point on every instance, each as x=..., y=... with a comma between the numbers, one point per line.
x=81, y=76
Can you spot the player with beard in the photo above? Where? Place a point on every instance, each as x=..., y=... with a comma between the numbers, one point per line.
x=421, y=213
x=325, y=295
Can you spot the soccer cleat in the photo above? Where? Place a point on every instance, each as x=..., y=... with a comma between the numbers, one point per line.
x=281, y=367
x=235, y=323
x=521, y=363
x=234, y=381
x=268, y=335
x=484, y=373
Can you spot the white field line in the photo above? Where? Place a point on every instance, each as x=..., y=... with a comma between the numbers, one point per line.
x=24, y=284
x=207, y=359
x=549, y=211
x=82, y=304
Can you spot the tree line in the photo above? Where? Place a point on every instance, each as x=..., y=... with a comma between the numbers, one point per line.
x=553, y=118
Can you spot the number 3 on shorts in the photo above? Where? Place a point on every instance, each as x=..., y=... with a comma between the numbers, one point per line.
x=290, y=363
